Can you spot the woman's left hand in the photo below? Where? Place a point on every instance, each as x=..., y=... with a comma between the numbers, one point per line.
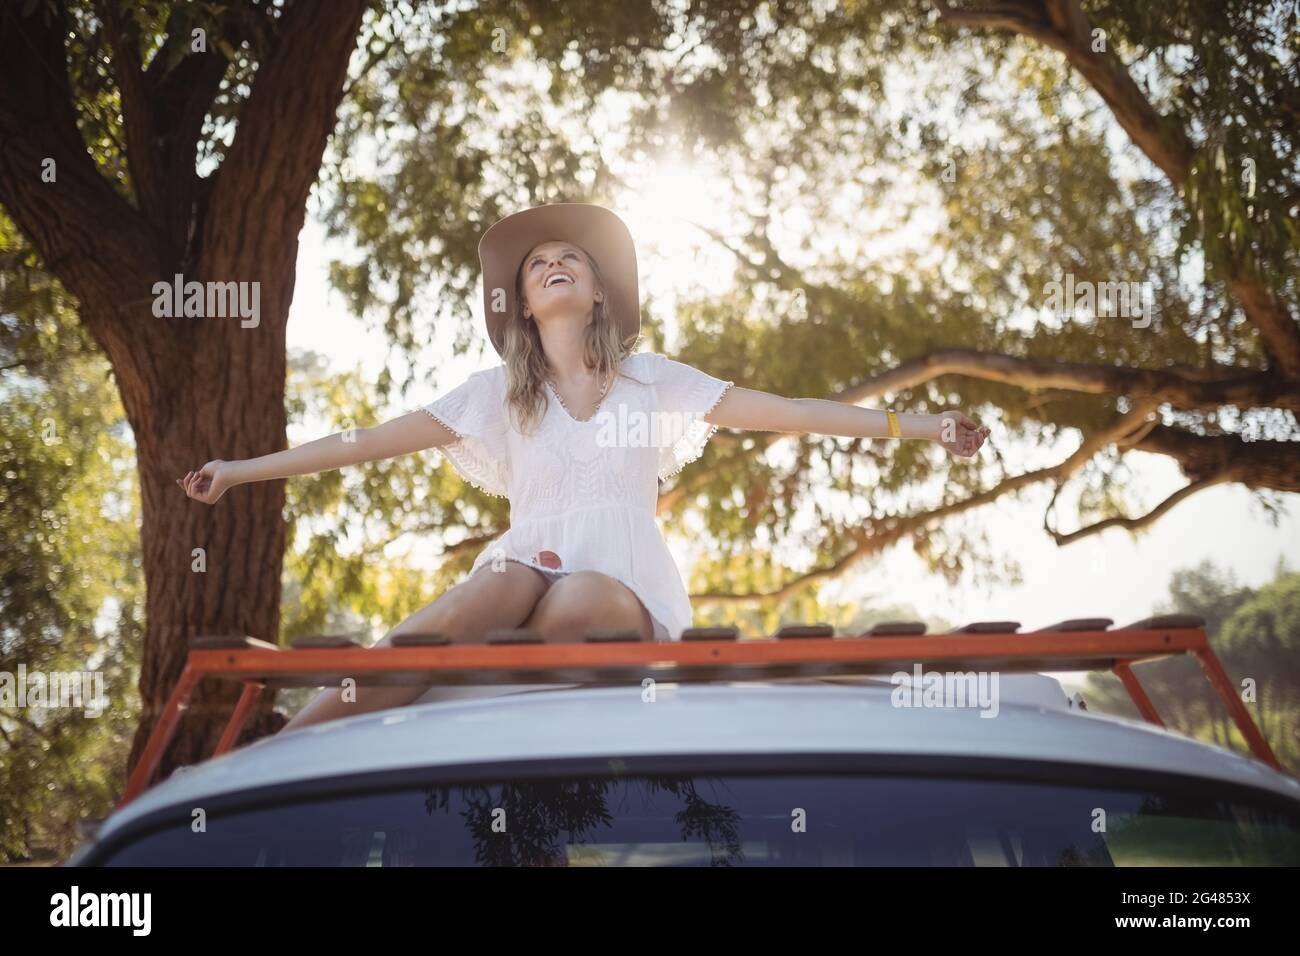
x=962, y=436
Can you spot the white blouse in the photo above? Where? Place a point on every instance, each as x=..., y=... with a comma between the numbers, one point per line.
x=586, y=490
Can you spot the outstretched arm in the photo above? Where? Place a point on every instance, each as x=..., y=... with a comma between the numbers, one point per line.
x=753, y=410
x=411, y=432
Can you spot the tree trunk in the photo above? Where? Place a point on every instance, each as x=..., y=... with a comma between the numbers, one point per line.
x=231, y=585
x=221, y=396
x=194, y=389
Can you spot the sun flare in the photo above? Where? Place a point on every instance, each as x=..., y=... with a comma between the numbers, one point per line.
x=667, y=211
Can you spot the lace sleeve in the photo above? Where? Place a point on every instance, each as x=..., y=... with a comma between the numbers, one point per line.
x=475, y=412
x=686, y=395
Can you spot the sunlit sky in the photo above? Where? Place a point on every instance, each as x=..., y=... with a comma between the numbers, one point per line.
x=1110, y=575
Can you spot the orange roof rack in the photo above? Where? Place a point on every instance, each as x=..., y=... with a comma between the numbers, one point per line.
x=712, y=653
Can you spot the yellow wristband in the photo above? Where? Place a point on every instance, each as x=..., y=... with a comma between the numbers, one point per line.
x=894, y=430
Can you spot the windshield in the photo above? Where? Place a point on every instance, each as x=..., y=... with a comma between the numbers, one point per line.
x=800, y=819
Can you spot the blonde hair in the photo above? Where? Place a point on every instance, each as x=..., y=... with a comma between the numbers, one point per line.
x=526, y=367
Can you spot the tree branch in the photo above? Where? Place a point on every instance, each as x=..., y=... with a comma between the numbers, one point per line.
x=1026, y=17
x=84, y=231
x=1255, y=464
x=1063, y=26
x=1202, y=389
x=450, y=551
x=877, y=539
x=1142, y=520
x=263, y=184
x=864, y=546
x=163, y=110
x=1185, y=388
x=138, y=122
x=37, y=122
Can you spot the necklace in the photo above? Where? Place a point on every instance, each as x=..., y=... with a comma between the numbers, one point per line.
x=556, y=392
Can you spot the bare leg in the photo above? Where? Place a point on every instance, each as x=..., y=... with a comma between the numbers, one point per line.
x=465, y=613
x=584, y=600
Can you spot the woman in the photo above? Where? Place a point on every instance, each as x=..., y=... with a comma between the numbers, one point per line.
x=581, y=472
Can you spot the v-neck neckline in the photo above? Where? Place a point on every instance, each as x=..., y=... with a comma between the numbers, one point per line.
x=594, y=412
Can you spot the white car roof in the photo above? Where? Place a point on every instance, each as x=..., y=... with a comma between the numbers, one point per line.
x=1033, y=723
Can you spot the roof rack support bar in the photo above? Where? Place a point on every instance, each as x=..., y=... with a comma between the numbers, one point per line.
x=162, y=735
x=1135, y=690
x=258, y=664
x=247, y=701
x=1227, y=691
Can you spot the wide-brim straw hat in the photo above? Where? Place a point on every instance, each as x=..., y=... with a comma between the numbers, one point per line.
x=603, y=235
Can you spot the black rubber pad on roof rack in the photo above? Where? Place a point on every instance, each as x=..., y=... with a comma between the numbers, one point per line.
x=897, y=628
x=711, y=634
x=229, y=642
x=420, y=640
x=514, y=636
x=1078, y=624
x=613, y=635
x=989, y=627
x=324, y=640
x=1172, y=622
x=805, y=630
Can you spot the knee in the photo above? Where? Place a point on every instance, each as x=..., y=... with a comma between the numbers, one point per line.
x=451, y=616
x=588, y=599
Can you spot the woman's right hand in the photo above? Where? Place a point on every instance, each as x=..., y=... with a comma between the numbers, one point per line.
x=210, y=482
